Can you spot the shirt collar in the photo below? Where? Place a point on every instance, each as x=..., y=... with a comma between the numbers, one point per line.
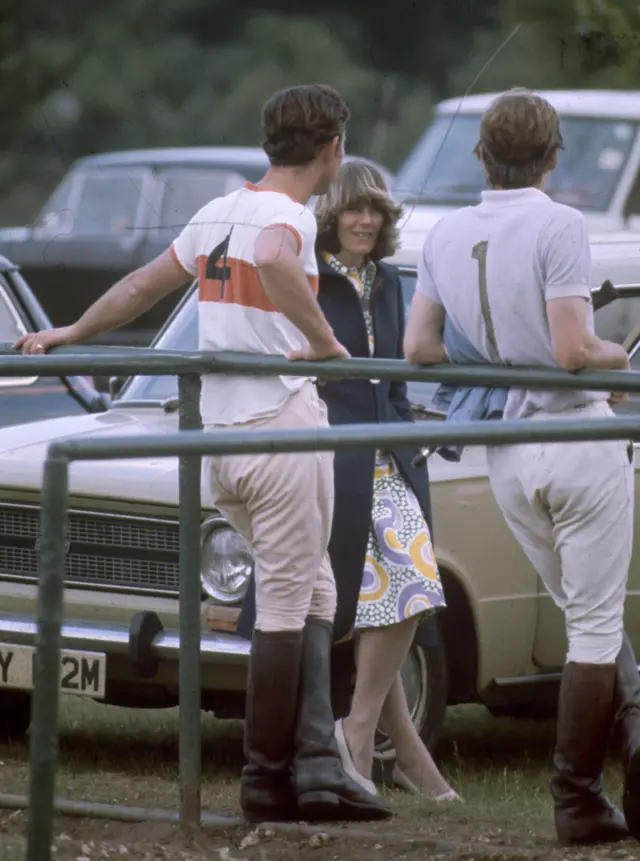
x=506, y=196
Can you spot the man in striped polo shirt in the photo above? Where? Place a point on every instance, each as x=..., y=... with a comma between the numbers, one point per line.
x=253, y=254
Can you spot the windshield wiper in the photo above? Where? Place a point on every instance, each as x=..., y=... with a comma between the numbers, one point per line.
x=126, y=404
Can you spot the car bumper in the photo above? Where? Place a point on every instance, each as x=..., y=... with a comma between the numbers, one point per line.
x=114, y=639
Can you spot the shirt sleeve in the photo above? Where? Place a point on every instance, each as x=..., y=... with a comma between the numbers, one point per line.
x=184, y=247
x=426, y=284
x=566, y=258
x=297, y=219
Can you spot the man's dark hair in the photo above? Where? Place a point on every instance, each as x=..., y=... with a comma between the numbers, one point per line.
x=299, y=121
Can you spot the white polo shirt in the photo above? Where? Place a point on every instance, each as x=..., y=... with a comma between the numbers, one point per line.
x=494, y=266
x=234, y=310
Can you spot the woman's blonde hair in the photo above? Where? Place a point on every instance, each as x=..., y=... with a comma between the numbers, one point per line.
x=357, y=185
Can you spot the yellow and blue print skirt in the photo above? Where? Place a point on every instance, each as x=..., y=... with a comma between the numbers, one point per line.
x=400, y=577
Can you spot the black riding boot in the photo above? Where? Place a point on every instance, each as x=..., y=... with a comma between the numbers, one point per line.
x=324, y=791
x=627, y=703
x=266, y=790
x=582, y=813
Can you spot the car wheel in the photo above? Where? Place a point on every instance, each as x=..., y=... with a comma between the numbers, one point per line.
x=15, y=715
x=424, y=676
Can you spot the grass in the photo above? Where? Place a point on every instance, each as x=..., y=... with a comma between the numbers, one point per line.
x=500, y=766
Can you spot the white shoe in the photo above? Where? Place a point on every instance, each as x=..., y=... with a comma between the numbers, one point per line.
x=347, y=762
x=404, y=782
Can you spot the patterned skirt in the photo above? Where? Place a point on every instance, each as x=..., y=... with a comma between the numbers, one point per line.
x=400, y=577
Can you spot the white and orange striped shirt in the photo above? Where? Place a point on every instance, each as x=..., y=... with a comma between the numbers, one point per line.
x=235, y=312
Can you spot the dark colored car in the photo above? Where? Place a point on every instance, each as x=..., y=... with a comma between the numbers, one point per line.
x=114, y=212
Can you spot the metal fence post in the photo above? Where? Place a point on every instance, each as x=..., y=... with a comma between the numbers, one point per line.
x=190, y=600
x=43, y=740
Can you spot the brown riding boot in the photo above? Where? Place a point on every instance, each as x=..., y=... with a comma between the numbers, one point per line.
x=266, y=789
x=324, y=790
x=585, y=711
x=627, y=703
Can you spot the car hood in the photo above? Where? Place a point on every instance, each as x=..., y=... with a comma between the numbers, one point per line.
x=23, y=450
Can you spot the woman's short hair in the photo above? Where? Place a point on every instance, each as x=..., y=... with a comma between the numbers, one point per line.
x=357, y=185
x=519, y=138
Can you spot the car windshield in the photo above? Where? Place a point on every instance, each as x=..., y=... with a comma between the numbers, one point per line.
x=442, y=169
x=181, y=333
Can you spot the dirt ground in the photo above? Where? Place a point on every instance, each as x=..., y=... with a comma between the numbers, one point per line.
x=500, y=767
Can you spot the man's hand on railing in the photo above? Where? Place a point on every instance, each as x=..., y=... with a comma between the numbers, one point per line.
x=618, y=398
x=316, y=353
x=35, y=343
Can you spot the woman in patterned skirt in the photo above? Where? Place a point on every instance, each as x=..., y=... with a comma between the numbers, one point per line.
x=386, y=574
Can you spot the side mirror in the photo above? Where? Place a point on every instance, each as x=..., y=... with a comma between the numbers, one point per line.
x=115, y=384
x=108, y=385
x=604, y=295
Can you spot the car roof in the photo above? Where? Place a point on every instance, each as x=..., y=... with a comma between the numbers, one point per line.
x=615, y=104
x=176, y=155
x=206, y=155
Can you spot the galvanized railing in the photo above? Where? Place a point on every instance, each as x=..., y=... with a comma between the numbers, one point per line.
x=190, y=444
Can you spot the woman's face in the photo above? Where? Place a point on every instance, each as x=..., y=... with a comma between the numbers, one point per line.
x=358, y=230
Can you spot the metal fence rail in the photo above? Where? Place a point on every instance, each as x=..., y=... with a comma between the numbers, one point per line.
x=190, y=444
x=69, y=361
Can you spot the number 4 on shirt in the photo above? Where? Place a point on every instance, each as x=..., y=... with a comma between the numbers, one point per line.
x=214, y=272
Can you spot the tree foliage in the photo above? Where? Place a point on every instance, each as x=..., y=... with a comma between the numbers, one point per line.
x=77, y=78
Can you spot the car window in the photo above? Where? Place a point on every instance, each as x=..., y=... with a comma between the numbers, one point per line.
x=56, y=213
x=186, y=190
x=182, y=334
x=108, y=203
x=442, y=170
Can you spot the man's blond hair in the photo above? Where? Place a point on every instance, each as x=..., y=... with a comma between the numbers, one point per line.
x=519, y=138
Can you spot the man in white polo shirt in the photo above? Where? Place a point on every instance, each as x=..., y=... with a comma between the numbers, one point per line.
x=513, y=276
x=253, y=254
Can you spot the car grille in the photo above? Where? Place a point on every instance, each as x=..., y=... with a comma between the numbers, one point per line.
x=137, y=554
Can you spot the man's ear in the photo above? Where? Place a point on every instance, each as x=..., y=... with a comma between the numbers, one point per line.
x=337, y=146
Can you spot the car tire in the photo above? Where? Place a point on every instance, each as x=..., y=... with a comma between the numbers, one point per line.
x=425, y=679
x=15, y=715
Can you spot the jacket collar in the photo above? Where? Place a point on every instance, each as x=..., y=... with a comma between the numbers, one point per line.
x=326, y=269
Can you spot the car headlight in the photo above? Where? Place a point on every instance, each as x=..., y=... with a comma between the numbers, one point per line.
x=226, y=563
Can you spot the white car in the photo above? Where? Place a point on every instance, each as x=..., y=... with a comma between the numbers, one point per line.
x=598, y=171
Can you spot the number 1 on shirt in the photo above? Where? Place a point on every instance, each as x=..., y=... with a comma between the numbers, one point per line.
x=479, y=253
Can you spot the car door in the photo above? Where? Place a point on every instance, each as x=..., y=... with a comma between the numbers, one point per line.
x=88, y=242
x=30, y=398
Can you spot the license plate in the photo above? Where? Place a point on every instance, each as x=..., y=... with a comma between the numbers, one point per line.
x=82, y=673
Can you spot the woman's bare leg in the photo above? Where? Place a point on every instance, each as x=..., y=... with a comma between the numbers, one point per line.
x=412, y=756
x=380, y=654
